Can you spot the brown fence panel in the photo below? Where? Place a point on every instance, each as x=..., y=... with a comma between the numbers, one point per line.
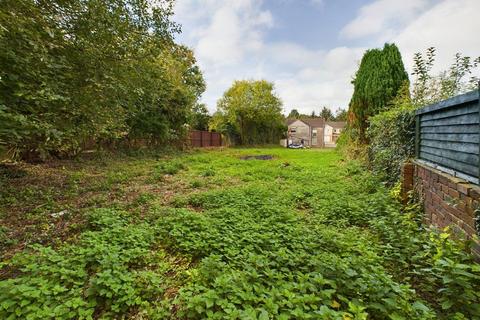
x=216, y=139
x=205, y=139
x=196, y=139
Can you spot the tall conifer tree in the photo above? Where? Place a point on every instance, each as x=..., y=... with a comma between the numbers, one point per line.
x=380, y=76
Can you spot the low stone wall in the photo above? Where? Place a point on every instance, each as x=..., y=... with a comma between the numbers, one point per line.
x=447, y=200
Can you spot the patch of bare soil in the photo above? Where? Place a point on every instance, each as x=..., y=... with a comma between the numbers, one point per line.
x=258, y=157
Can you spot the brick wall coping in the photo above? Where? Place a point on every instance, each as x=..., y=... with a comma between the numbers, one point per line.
x=462, y=185
x=450, y=172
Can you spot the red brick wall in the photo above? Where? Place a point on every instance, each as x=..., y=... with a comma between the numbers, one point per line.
x=448, y=201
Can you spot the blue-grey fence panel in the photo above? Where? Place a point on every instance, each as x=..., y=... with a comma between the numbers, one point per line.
x=448, y=134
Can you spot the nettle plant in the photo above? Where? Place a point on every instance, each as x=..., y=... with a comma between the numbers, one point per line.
x=312, y=240
x=108, y=272
x=259, y=260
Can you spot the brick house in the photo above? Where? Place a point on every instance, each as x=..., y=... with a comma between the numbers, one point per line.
x=332, y=132
x=315, y=132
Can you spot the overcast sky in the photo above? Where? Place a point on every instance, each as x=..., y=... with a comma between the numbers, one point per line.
x=310, y=49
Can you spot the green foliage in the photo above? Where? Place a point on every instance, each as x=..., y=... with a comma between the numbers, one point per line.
x=327, y=114
x=392, y=138
x=459, y=78
x=453, y=271
x=280, y=267
x=377, y=82
x=72, y=71
x=250, y=113
x=170, y=167
x=294, y=114
x=392, y=133
x=440, y=268
x=341, y=115
x=351, y=148
x=209, y=172
x=196, y=184
x=200, y=117
x=302, y=236
x=256, y=258
x=5, y=240
x=110, y=271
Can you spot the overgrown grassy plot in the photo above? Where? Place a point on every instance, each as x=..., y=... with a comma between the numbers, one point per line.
x=209, y=235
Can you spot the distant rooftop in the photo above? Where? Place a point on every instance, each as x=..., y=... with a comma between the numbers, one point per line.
x=312, y=122
x=337, y=124
x=318, y=122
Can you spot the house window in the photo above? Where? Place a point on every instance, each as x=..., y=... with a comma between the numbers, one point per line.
x=314, y=132
x=293, y=130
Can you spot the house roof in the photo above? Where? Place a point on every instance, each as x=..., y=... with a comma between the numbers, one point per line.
x=289, y=121
x=312, y=122
x=337, y=124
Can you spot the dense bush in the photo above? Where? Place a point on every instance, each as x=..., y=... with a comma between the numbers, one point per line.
x=77, y=70
x=392, y=139
x=351, y=147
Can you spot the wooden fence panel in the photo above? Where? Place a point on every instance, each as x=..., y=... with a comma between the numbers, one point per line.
x=205, y=139
x=216, y=139
x=448, y=135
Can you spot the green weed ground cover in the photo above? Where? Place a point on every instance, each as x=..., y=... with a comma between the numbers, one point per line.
x=205, y=234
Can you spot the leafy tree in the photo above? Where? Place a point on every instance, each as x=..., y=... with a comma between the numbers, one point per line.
x=200, y=117
x=376, y=83
x=162, y=108
x=294, y=114
x=313, y=115
x=341, y=115
x=326, y=114
x=250, y=113
x=97, y=70
x=459, y=78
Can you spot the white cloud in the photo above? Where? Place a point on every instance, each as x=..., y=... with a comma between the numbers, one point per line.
x=451, y=26
x=381, y=17
x=321, y=78
x=230, y=43
x=224, y=31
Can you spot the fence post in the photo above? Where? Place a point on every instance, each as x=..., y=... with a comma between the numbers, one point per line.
x=417, y=136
